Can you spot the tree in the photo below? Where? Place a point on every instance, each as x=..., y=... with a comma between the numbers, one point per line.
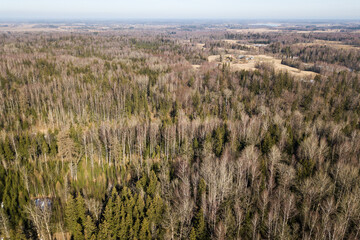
x=40, y=215
x=80, y=209
x=15, y=197
x=200, y=226
x=220, y=136
x=108, y=227
x=144, y=233
x=192, y=234
x=72, y=219
x=153, y=182
x=4, y=224
x=9, y=153
x=175, y=112
x=70, y=212
x=89, y=228
x=69, y=151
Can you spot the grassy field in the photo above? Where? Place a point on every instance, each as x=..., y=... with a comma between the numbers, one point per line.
x=334, y=44
x=250, y=64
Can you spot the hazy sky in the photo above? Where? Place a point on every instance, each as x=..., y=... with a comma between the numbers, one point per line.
x=214, y=9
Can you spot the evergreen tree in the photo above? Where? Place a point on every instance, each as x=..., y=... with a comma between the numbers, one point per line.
x=145, y=232
x=8, y=150
x=151, y=189
x=122, y=231
x=71, y=218
x=175, y=112
x=136, y=228
x=108, y=227
x=53, y=145
x=80, y=209
x=220, y=137
x=192, y=234
x=78, y=232
x=2, y=180
x=44, y=146
x=129, y=223
x=201, y=191
x=200, y=226
x=14, y=198
x=17, y=234
x=89, y=228
x=140, y=205
x=70, y=212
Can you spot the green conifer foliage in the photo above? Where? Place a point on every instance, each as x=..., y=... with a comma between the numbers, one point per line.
x=89, y=228
x=151, y=189
x=71, y=219
x=9, y=153
x=200, y=226
x=192, y=234
x=80, y=209
x=145, y=230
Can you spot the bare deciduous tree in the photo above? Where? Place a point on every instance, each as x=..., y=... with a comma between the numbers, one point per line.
x=40, y=215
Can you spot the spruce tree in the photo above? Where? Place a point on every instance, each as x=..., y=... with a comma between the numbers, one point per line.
x=78, y=231
x=8, y=151
x=89, y=228
x=71, y=215
x=108, y=227
x=201, y=191
x=144, y=232
x=44, y=146
x=136, y=228
x=151, y=189
x=192, y=234
x=80, y=209
x=122, y=231
x=200, y=226
x=140, y=205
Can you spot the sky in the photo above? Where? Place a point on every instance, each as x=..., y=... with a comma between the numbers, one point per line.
x=180, y=9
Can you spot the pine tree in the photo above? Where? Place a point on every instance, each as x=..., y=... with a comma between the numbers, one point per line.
x=44, y=146
x=200, y=226
x=8, y=151
x=89, y=228
x=17, y=234
x=78, y=232
x=218, y=141
x=80, y=209
x=267, y=143
x=175, y=112
x=129, y=222
x=108, y=227
x=201, y=191
x=122, y=231
x=15, y=197
x=118, y=214
x=151, y=189
x=156, y=210
x=103, y=231
x=119, y=218
x=192, y=234
x=2, y=180
x=140, y=205
x=71, y=217
x=136, y=228
x=144, y=232
x=53, y=145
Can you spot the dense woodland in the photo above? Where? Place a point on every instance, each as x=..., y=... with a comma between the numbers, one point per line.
x=119, y=137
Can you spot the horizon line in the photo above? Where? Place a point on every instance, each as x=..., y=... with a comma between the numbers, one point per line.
x=66, y=19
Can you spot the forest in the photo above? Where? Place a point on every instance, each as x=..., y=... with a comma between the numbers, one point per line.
x=116, y=135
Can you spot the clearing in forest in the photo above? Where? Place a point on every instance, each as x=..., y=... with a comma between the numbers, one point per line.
x=249, y=62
